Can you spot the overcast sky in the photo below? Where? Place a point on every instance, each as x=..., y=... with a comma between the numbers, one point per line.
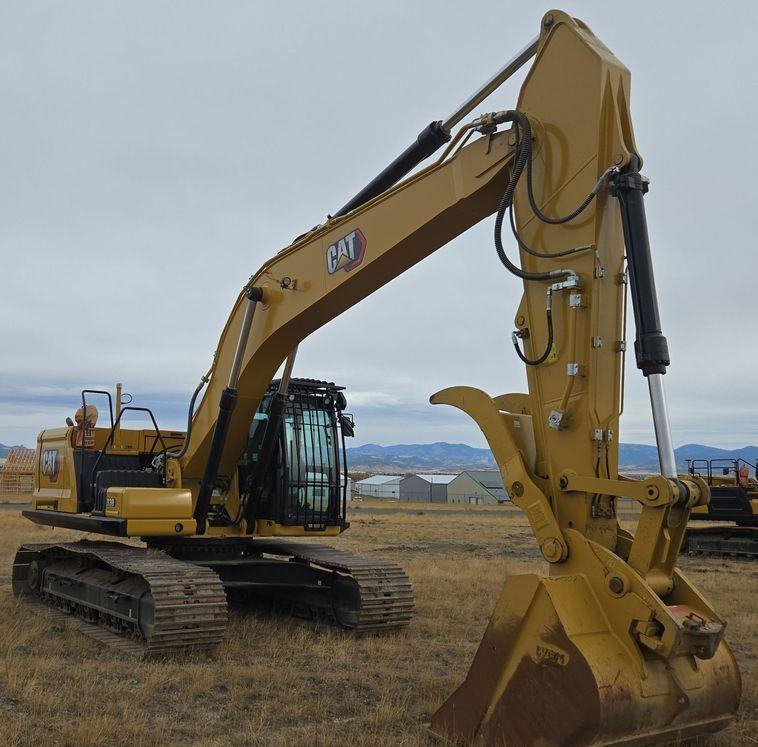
x=154, y=154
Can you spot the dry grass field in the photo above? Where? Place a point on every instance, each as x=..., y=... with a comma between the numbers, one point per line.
x=15, y=497
x=278, y=681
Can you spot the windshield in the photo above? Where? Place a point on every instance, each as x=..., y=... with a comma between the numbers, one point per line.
x=309, y=441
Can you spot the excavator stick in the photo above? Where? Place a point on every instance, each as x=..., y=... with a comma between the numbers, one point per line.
x=614, y=646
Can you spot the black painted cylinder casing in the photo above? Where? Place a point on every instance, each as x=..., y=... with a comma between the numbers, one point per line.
x=225, y=409
x=650, y=346
x=428, y=141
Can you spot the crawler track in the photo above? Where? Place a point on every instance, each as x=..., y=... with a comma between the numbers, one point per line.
x=173, y=598
x=141, y=601
x=385, y=598
x=728, y=541
x=361, y=594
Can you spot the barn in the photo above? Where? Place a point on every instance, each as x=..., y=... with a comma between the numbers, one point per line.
x=477, y=486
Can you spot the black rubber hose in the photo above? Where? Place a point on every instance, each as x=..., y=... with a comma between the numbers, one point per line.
x=530, y=189
x=548, y=348
x=191, y=411
x=546, y=218
x=521, y=158
x=543, y=255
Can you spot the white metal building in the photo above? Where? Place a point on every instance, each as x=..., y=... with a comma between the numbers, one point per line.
x=379, y=486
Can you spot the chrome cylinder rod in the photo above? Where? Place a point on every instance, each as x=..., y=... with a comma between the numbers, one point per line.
x=247, y=322
x=284, y=382
x=661, y=424
x=497, y=80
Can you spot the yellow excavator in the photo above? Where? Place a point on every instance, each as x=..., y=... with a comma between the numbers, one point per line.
x=732, y=511
x=613, y=645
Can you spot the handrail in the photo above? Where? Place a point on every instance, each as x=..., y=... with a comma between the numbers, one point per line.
x=692, y=465
x=110, y=439
x=84, y=431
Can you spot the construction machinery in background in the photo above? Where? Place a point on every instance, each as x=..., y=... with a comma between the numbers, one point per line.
x=732, y=510
x=614, y=645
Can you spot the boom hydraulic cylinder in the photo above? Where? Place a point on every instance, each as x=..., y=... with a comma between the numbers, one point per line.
x=226, y=407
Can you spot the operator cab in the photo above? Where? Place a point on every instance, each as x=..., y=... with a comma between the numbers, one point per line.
x=305, y=482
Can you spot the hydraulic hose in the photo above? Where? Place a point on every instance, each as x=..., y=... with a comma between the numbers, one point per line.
x=521, y=157
x=190, y=412
x=543, y=255
x=523, y=162
x=548, y=347
x=550, y=335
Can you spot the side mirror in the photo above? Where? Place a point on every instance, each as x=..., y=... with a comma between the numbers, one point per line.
x=69, y=422
x=347, y=425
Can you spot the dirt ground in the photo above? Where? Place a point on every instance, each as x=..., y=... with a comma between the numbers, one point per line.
x=279, y=681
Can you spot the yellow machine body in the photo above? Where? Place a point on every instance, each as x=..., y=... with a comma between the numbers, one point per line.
x=55, y=476
x=728, y=524
x=149, y=512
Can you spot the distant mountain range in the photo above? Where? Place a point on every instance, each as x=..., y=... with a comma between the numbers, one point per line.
x=403, y=458
x=441, y=456
x=5, y=449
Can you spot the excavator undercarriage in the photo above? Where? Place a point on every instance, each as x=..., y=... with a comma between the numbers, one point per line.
x=173, y=596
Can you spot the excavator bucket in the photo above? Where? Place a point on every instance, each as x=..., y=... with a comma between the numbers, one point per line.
x=550, y=672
